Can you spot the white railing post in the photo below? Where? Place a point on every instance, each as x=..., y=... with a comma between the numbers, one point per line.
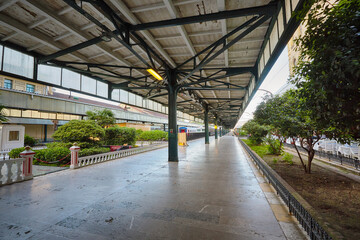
x=74, y=156
x=28, y=155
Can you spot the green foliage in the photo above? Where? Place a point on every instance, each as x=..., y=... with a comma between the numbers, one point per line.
x=92, y=151
x=138, y=133
x=287, y=157
x=103, y=118
x=260, y=150
x=328, y=71
x=2, y=114
x=274, y=146
x=52, y=155
x=15, y=152
x=82, y=145
x=275, y=160
x=119, y=136
x=86, y=131
x=29, y=141
x=256, y=131
x=155, y=135
x=242, y=133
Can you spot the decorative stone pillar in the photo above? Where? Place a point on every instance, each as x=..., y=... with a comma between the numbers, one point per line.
x=74, y=156
x=28, y=155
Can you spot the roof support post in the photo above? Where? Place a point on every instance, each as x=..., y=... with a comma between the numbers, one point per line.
x=216, y=130
x=206, y=121
x=172, y=116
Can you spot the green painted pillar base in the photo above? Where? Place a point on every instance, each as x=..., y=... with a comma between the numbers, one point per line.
x=206, y=120
x=172, y=115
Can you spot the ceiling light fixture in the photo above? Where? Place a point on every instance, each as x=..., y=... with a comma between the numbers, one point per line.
x=155, y=74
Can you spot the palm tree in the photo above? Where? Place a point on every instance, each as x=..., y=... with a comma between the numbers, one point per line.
x=2, y=114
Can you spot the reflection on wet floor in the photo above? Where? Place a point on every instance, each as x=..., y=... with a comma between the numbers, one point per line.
x=211, y=193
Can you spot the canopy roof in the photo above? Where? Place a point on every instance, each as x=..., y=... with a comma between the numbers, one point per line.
x=221, y=50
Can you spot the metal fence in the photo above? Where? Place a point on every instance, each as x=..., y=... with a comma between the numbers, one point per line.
x=331, y=157
x=310, y=225
x=195, y=135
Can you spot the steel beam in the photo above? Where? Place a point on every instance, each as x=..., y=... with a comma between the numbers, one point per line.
x=262, y=10
x=223, y=99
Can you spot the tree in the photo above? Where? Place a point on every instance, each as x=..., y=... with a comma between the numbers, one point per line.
x=80, y=131
x=103, y=118
x=328, y=71
x=2, y=114
x=256, y=131
x=119, y=136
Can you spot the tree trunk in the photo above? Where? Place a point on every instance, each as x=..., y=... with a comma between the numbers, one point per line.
x=297, y=150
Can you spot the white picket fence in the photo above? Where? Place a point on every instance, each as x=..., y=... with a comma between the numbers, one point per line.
x=103, y=157
x=11, y=171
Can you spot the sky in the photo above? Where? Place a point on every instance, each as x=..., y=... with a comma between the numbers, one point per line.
x=276, y=78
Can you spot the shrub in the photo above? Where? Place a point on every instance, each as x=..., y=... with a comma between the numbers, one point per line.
x=119, y=136
x=29, y=141
x=102, y=117
x=92, y=151
x=287, y=157
x=274, y=146
x=275, y=160
x=52, y=155
x=155, y=135
x=15, y=153
x=80, y=131
x=138, y=133
x=68, y=145
x=257, y=132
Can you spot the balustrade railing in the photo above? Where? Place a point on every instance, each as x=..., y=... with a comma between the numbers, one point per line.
x=98, y=158
x=11, y=171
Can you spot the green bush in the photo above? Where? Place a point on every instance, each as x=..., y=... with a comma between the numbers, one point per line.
x=274, y=146
x=86, y=131
x=256, y=131
x=15, y=153
x=52, y=155
x=29, y=141
x=119, y=136
x=68, y=145
x=275, y=160
x=155, y=135
x=138, y=133
x=92, y=151
x=287, y=157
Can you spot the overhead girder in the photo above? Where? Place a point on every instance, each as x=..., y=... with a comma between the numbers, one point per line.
x=262, y=10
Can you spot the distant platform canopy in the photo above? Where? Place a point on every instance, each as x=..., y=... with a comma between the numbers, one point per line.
x=215, y=52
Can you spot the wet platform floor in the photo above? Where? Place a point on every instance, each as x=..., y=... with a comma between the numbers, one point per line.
x=211, y=193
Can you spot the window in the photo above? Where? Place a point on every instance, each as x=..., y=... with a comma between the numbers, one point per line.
x=18, y=63
x=30, y=88
x=88, y=84
x=14, y=135
x=49, y=74
x=70, y=79
x=8, y=84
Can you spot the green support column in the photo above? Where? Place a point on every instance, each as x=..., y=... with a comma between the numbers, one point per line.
x=220, y=131
x=172, y=125
x=206, y=120
x=216, y=131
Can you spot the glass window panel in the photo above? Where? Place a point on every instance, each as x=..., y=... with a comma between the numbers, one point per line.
x=115, y=95
x=1, y=51
x=18, y=63
x=102, y=89
x=150, y=104
x=138, y=101
x=131, y=98
x=14, y=135
x=30, y=88
x=26, y=113
x=124, y=96
x=49, y=74
x=88, y=84
x=70, y=79
x=15, y=113
x=8, y=83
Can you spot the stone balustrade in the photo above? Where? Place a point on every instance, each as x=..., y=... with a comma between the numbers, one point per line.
x=11, y=171
x=98, y=158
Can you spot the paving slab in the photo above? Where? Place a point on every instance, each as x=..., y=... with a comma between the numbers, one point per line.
x=211, y=193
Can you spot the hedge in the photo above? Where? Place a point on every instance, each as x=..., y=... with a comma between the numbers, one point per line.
x=155, y=135
x=92, y=151
x=119, y=136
